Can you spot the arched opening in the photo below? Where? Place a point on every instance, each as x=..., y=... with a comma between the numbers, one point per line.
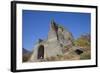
x=41, y=52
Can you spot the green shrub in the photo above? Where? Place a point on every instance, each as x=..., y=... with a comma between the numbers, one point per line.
x=86, y=55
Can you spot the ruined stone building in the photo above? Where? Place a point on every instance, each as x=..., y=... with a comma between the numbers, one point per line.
x=58, y=38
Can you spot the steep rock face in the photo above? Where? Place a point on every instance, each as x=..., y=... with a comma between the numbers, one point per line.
x=53, y=31
x=65, y=37
x=59, y=33
x=55, y=44
x=53, y=47
x=60, y=36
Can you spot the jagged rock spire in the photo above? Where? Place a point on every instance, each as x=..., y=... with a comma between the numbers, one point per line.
x=53, y=25
x=53, y=30
x=52, y=22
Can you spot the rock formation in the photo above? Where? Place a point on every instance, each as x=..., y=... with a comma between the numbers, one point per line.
x=58, y=43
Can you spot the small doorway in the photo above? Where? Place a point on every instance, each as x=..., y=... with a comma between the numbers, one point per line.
x=41, y=52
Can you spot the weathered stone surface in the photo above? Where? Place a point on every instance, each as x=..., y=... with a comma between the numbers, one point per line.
x=54, y=45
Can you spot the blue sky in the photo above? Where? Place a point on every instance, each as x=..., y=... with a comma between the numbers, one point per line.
x=35, y=24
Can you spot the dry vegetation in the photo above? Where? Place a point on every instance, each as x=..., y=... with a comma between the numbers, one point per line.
x=69, y=51
x=85, y=43
x=69, y=54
